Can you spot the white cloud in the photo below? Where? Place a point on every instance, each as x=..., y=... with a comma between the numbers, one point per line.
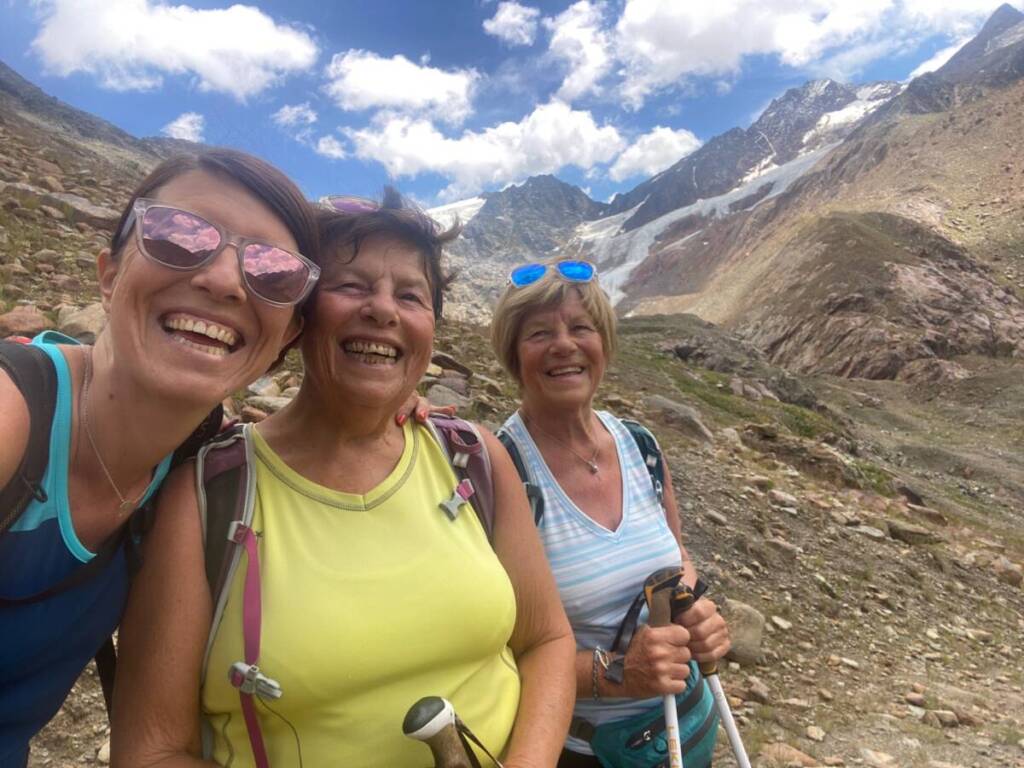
x=513, y=23
x=295, y=115
x=133, y=44
x=663, y=43
x=364, y=80
x=654, y=152
x=577, y=38
x=549, y=138
x=188, y=126
x=938, y=60
x=328, y=146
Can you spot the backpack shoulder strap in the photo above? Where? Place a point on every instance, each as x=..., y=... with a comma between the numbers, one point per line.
x=33, y=373
x=467, y=454
x=651, y=452
x=533, y=492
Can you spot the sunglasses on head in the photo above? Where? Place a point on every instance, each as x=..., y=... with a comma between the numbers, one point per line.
x=572, y=271
x=182, y=240
x=349, y=204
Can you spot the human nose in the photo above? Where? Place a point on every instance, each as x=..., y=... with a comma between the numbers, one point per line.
x=380, y=307
x=562, y=342
x=222, y=277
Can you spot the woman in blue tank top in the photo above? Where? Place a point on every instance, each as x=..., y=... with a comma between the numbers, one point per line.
x=603, y=525
x=202, y=283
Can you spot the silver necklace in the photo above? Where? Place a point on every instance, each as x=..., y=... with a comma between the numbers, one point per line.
x=591, y=462
x=126, y=505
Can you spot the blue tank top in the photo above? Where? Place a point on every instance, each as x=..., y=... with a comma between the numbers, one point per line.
x=44, y=646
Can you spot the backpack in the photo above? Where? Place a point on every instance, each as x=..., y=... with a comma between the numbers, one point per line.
x=32, y=372
x=226, y=487
x=645, y=441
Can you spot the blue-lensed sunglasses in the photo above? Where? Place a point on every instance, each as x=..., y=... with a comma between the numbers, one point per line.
x=572, y=271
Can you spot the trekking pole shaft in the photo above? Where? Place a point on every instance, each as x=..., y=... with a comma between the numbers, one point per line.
x=725, y=714
x=659, y=606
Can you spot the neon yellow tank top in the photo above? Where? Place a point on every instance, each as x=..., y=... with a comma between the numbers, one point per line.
x=370, y=602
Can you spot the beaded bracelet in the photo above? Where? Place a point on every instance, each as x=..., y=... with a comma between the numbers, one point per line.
x=600, y=658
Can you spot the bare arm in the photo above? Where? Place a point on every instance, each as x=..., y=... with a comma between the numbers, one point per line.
x=542, y=640
x=709, y=635
x=14, y=425
x=162, y=640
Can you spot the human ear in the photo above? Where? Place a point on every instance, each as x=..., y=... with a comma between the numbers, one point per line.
x=106, y=273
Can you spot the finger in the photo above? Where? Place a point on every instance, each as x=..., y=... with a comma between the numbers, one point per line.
x=699, y=612
x=714, y=647
x=447, y=410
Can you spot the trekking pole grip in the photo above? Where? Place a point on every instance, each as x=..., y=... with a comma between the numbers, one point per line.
x=432, y=721
x=658, y=593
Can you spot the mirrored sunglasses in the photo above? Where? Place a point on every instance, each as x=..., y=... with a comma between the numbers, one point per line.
x=570, y=270
x=349, y=204
x=182, y=240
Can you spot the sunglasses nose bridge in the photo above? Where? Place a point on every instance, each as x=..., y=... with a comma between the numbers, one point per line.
x=226, y=281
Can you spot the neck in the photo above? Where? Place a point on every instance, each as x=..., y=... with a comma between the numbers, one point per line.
x=325, y=426
x=576, y=426
x=133, y=429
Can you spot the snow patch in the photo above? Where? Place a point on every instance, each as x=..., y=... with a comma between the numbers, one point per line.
x=1012, y=35
x=625, y=251
x=463, y=209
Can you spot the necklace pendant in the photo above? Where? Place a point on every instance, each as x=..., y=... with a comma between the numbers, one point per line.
x=593, y=467
x=125, y=507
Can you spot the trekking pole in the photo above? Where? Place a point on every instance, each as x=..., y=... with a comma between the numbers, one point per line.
x=433, y=721
x=682, y=599
x=658, y=593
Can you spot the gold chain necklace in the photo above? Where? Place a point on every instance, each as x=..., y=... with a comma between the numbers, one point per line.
x=591, y=462
x=126, y=505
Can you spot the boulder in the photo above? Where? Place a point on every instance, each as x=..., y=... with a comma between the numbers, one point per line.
x=784, y=754
x=911, y=534
x=447, y=361
x=73, y=207
x=682, y=417
x=267, y=404
x=83, y=324
x=26, y=320
x=746, y=629
x=440, y=395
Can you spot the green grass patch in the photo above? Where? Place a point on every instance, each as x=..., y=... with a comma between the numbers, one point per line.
x=875, y=478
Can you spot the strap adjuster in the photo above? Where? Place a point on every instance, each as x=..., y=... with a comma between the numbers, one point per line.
x=247, y=678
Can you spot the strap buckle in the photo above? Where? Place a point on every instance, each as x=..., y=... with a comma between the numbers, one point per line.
x=247, y=678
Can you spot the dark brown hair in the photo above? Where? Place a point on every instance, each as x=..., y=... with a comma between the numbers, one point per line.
x=399, y=219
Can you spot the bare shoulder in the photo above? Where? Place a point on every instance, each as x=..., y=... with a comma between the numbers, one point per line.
x=14, y=425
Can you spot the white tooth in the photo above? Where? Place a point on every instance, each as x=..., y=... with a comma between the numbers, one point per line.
x=199, y=327
x=188, y=325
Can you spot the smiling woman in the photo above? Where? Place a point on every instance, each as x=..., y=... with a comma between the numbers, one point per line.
x=373, y=596
x=190, y=319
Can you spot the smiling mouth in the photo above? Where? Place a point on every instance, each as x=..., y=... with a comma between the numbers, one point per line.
x=372, y=352
x=566, y=370
x=201, y=335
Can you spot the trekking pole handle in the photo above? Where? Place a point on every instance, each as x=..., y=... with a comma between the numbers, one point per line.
x=658, y=593
x=683, y=599
x=432, y=720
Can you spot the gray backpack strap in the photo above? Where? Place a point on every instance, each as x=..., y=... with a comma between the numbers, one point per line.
x=533, y=492
x=225, y=492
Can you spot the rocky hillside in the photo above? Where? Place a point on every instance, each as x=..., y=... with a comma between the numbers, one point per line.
x=865, y=535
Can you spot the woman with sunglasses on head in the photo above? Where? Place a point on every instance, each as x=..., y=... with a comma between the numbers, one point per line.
x=374, y=583
x=202, y=285
x=603, y=526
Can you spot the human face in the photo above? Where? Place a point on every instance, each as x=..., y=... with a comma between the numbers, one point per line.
x=197, y=334
x=561, y=356
x=372, y=329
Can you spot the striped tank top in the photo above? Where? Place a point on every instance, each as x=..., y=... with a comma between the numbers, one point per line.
x=370, y=602
x=599, y=571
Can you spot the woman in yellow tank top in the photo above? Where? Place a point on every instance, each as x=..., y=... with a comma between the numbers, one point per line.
x=371, y=596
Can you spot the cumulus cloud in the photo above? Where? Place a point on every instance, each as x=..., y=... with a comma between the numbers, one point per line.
x=328, y=146
x=662, y=43
x=295, y=116
x=361, y=80
x=188, y=126
x=579, y=40
x=513, y=23
x=938, y=60
x=134, y=44
x=549, y=138
x=654, y=152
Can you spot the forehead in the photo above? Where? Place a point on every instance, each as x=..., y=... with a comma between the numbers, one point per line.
x=379, y=255
x=570, y=307
x=227, y=203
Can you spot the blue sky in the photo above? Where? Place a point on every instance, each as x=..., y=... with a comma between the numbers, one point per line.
x=446, y=98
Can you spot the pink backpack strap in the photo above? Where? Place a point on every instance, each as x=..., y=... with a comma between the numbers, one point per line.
x=470, y=461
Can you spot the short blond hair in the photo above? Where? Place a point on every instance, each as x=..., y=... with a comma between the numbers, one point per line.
x=516, y=304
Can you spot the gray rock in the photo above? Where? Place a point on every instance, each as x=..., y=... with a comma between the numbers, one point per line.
x=441, y=395
x=268, y=404
x=682, y=417
x=782, y=499
x=455, y=383
x=74, y=207
x=265, y=386
x=746, y=630
x=447, y=361
x=23, y=321
x=911, y=534
x=83, y=324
